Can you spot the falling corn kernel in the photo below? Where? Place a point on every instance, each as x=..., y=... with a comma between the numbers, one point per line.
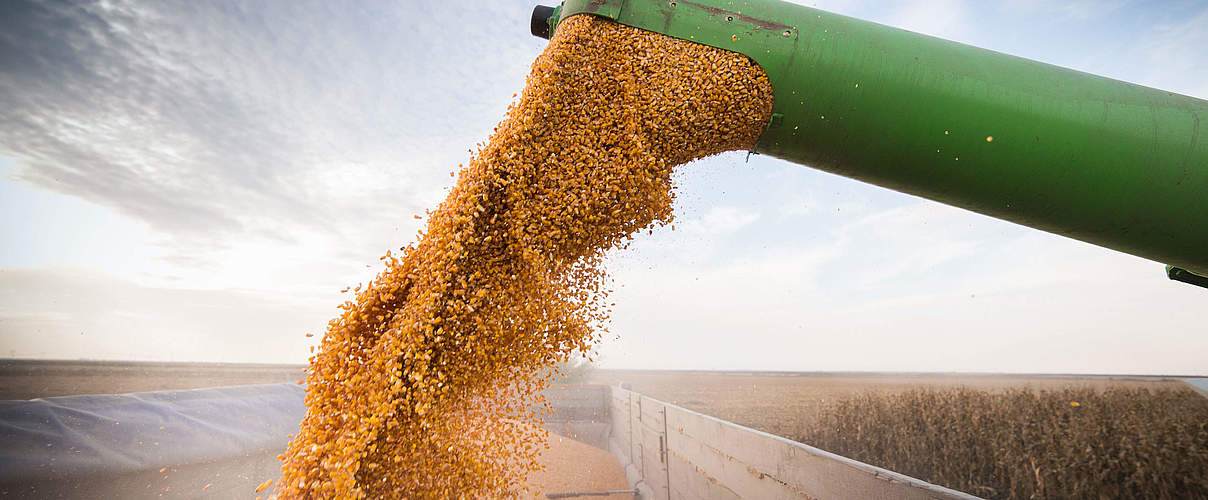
x=422, y=387
x=264, y=485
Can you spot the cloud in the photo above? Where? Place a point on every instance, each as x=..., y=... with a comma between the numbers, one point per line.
x=215, y=122
x=1090, y=311
x=722, y=220
x=1174, y=55
x=804, y=205
x=925, y=236
x=79, y=313
x=1074, y=10
x=941, y=18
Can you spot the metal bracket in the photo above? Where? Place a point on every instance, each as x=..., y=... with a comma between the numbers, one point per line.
x=1180, y=274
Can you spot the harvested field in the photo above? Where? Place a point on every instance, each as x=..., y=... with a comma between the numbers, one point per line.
x=30, y=378
x=997, y=436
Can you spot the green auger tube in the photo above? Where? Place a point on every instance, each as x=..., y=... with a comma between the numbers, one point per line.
x=1095, y=159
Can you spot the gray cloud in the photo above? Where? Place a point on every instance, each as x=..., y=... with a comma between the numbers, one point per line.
x=216, y=120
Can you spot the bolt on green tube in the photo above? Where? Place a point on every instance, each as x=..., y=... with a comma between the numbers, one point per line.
x=1103, y=161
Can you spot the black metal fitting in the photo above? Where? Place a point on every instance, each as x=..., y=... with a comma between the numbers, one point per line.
x=539, y=24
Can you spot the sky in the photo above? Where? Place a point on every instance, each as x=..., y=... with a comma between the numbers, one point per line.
x=197, y=181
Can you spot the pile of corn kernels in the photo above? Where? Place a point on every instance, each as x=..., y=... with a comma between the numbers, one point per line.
x=423, y=387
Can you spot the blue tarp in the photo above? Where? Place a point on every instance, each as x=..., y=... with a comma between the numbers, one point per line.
x=1199, y=384
x=72, y=436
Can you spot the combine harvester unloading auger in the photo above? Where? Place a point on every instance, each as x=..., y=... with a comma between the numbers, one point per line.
x=1099, y=160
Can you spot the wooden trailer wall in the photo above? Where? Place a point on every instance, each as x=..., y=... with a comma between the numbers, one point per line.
x=224, y=441
x=672, y=453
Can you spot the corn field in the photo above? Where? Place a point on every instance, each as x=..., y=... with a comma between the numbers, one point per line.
x=1025, y=444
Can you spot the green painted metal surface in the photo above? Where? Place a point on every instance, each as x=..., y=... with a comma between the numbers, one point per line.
x=1103, y=161
x=1186, y=276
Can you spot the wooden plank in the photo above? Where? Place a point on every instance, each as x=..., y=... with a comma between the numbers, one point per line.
x=652, y=466
x=652, y=469
x=620, y=437
x=589, y=395
x=618, y=410
x=686, y=481
x=577, y=402
x=635, y=414
x=758, y=465
x=622, y=443
x=694, y=442
x=652, y=413
x=650, y=438
x=678, y=453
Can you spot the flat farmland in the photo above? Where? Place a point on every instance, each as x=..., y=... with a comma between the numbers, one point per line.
x=995, y=435
x=768, y=401
x=28, y=379
x=786, y=403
